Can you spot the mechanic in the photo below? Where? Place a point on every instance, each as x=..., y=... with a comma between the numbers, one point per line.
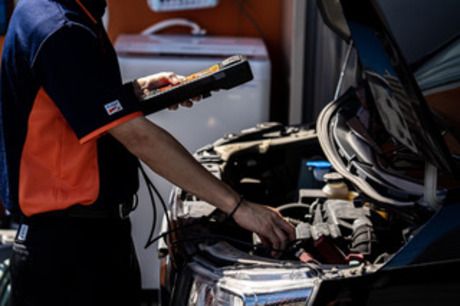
x=70, y=137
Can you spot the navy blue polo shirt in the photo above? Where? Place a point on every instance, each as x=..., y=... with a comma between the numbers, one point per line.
x=61, y=91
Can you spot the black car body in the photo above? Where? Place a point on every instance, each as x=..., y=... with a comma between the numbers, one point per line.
x=383, y=230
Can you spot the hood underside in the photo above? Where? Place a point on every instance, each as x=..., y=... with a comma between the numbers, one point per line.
x=395, y=92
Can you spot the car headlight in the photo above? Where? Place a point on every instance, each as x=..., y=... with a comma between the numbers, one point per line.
x=254, y=286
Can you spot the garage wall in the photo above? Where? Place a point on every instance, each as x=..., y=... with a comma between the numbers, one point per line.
x=230, y=19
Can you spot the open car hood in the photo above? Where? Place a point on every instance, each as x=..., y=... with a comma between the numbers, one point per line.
x=396, y=94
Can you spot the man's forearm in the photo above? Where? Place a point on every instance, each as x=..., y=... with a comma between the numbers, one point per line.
x=167, y=157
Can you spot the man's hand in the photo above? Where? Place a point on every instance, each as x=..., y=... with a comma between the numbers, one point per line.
x=266, y=222
x=143, y=86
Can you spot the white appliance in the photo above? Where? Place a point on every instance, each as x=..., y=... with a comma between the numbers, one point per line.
x=210, y=119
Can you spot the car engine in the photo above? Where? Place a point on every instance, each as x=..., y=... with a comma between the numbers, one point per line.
x=336, y=224
x=338, y=231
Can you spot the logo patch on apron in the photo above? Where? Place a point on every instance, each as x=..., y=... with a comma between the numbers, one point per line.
x=22, y=234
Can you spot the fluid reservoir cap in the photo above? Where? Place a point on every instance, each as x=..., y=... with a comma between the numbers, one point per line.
x=319, y=164
x=320, y=168
x=333, y=177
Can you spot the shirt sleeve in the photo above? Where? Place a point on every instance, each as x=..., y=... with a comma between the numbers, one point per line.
x=82, y=77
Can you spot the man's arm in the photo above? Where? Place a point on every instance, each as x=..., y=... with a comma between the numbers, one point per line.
x=167, y=157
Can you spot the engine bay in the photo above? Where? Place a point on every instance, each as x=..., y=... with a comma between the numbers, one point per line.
x=337, y=226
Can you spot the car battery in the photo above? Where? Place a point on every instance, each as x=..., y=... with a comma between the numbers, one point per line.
x=226, y=111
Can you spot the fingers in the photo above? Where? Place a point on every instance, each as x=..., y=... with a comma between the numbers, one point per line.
x=280, y=241
x=188, y=103
x=147, y=84
x=281, y=233
x=269, y=225
x=159, y=80
x=173, y=107
x=287, y=227
x=174, y=79
x=276, y=232
x=282, y=237
x=265, y=240
x=197, y=99
x=273, y=241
